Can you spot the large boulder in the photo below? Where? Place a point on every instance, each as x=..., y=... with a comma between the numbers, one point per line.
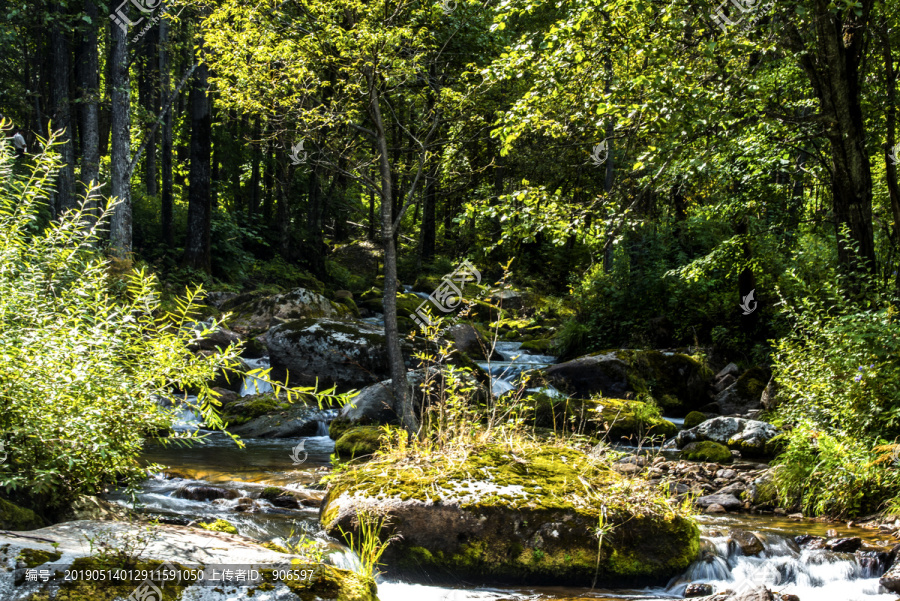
x=346, y=354
x=524, y=515
x=131, y=550
x=750, y=437
x=13, y=517
x=288, y=421
x=678, y=382
x=259, y=313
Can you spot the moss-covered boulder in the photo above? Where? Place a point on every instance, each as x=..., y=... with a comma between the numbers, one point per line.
x=358, y=441
x=525, y=515
x=258, y=313
x=70, y=546
x=219, y=525
x=13, y=517
x=613, y=419
x=678, y=382
x=541, y=346
x=708, y=451
x=346, y=354
x=694, y=418
x=752, y=438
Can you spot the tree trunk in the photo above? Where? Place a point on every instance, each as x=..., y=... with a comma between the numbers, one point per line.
x=89, y=95
x=890, y=78
x=59, y=101
x=429, y=217
x=120, y=156
x=197, y=244
x=268, y=184
x=151, y=104
x=399, y=384
x=253, y=205
x=165, y=159
x=284, y=211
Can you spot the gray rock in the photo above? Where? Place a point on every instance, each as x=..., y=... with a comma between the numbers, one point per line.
x=468, y=340
x=191, y=547
x=698, y=589
x=294, y=421
x=507, y=299
x=747, y=541
x=744, y=435
x=259, y=314
x=604, y=374
x=729, y=502
x=769, y=399
x=346, y=354
x=743, y=395
x=891, y=579
x=724, y=382
x=729, y=370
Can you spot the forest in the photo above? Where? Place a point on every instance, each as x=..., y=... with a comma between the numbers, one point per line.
x=449, y=299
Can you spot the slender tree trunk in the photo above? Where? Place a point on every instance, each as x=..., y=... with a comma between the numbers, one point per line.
x=59, y=100
x=166, y=202
x=120, y=157
x=268, y=184
x=253, y=206
x=150, y=100
x=890, y=78
x=89, y=94
x=399, y=384
x=429, y=216
x=283, y=209
x=197, y=245
x=314, y=225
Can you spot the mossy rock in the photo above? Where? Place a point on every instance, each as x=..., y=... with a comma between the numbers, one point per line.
x=13, y=517
x=35, y=557
x=219, y=526
x=707, y=451
x=250, y=407
x=675, y=377
x=694, y=418
x=338, y=426
x=358, y=441
x=350, y=304
x=541, y=346
x=524, y=515
x=613, y=419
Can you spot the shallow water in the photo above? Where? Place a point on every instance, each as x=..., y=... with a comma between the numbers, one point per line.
x=812, y=575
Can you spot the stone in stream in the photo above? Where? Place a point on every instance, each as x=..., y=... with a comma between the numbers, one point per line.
x=347, y=354
x=254, y=314
x=750, y=437
x=844, y=545
x=678, y=382
x=891, y=579
x=520, y=516
x=206, y=493
x=71, y=546
x=729, y=502
x=698, y=589
x=746, y=541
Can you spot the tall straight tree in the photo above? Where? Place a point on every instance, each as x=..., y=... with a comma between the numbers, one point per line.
x=120, y=154
x=60, y=51
x=89, y=96
x=197, y=245
x=165, y=154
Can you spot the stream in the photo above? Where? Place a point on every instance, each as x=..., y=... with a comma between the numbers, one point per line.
x=218, y=480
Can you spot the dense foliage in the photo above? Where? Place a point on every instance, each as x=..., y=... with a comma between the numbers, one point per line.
x=86, y=351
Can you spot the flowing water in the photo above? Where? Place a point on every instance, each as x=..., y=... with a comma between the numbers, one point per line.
x=813, y=575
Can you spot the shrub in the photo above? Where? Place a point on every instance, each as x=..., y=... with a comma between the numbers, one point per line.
x=838, y=377
x=85, y=353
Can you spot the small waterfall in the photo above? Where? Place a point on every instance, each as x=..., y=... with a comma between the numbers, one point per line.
x=186, y=418
x=408, y=290
x=345, y=559
x=506, y=374
x=782, y=566
x=252, y=384
x=321, y=428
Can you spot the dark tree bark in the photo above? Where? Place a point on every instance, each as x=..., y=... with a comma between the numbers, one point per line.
x=399, y=384
x=890, y=78
x=60, y=51
x=89, y=96
x=268, y=184
x=120, y=158
x=314, y=225
x=150, y=99
x=254, y=197
x=283, y=209
x=166, y=202
x=429, y=218
x=831, y=62
x=197, y=245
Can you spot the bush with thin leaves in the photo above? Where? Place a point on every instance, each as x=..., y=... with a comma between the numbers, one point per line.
x=85, y=355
